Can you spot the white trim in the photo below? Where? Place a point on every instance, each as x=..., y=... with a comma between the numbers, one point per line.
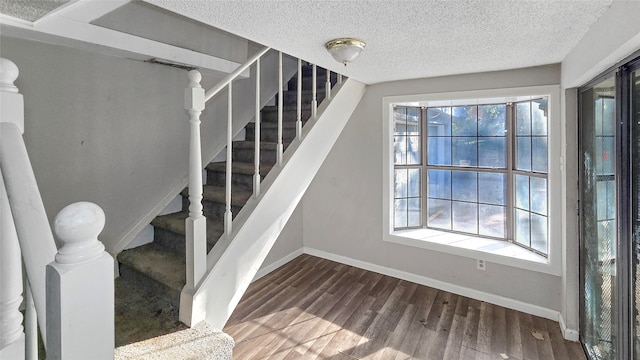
x=568, y=334
x=441, y=285
x=553, y=265
x=278, y=263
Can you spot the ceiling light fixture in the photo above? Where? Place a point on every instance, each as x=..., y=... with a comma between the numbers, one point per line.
x=345, y=50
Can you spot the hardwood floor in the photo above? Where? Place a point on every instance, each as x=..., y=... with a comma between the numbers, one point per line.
x=313, y=308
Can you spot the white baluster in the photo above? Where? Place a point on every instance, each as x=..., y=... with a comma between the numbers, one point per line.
x=30, y=325
x=256, y=133
x=299, y=102
x=339, y=79
x=12, y=338
x=31, y=221
x=280, y=147
x=328, y=85
x=314, y=87
x=81, y=270
x=228, y=215
x=196, y=223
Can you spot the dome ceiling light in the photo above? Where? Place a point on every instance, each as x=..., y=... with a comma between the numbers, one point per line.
x=345, y=50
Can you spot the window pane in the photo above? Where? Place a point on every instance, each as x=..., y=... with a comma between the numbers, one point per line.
x=605, y=199
x=539, y=154
x=492, y=152
x=413, y=117
x=523, y=118
x=605, y=155
x=439, y=184
x=400, y=213
x=522, y=227
x=400, y=120
x=400, y=183
x=414, y=182
x=439, y=152
x=463, y=121
x=465, y=217
x=492, y=120
x=492, y=220
x=539, y=195
x=523, y=153
x=414, y=212
x=413, y=151
x=522, y=192
x=538, y=117
x=539, y=233
x=492, y=188
x=439, y=214
x=465, y=151
x=464, y=185
x=439, y=121
x=400, y=149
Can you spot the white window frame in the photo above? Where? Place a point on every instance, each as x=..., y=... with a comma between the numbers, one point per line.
x=496, y=251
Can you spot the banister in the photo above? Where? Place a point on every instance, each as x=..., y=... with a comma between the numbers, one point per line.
x=32, y=225
x=229, y=78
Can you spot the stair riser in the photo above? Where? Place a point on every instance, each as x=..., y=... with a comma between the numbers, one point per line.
x=242, y=181
x=215, y=210
x=169, y=239
x=267, y=157
x=287, y=116
x=290, y=99
x=271, y=134
x=143, y=281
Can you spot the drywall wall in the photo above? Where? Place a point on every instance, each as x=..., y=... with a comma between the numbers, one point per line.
x=342, y=209
x=113, y=131
x=287, y=246
x=614, y=36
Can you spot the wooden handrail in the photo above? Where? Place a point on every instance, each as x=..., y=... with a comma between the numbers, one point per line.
x=229, y=78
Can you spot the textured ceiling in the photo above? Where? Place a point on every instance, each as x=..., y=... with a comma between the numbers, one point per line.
x=408, y=39
x=30, y=10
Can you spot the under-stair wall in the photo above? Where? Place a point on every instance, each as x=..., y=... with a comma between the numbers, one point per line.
x=108, y=130
x=236, y=259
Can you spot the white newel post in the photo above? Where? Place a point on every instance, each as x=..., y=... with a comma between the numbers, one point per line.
x=196, y=223
x=12, y=338
x=80, y=297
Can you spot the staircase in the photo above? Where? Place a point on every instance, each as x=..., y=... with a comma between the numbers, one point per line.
x=153, y=275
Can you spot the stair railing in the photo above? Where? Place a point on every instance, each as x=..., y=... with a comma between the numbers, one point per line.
x=80, y=269
x=195, y=100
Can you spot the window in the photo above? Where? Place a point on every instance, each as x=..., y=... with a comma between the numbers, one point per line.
x=469, y=171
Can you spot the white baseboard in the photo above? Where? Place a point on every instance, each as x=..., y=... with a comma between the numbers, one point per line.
x=568, y=334
x=441, y=285
x=276, y=264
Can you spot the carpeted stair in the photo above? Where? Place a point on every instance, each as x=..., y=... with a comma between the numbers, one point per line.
x=152, y=275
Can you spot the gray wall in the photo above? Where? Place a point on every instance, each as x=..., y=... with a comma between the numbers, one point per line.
x=112, y=130
x=342, y=209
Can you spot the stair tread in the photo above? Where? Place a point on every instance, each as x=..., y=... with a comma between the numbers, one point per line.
x=238, y=167
x=250, y=144
x=239, y=197
x=274, y=124
x=146, y=258
x=175, y=223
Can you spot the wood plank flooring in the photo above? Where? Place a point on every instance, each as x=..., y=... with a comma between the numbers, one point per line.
x=313, y=308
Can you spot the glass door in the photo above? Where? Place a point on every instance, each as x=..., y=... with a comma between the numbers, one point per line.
x=598, y=220
x=634, y=113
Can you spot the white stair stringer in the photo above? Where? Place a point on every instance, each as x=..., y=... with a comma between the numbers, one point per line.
x=235, y=260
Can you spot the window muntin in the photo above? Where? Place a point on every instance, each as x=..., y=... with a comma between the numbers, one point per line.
x=473, y=184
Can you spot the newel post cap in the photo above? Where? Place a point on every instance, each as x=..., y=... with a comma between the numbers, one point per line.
x=8, y=74
x=78, y=226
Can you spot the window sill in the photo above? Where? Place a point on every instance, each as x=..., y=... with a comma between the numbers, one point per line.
x=496, y=251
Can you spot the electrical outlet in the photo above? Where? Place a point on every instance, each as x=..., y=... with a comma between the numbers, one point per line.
x=482, y=265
